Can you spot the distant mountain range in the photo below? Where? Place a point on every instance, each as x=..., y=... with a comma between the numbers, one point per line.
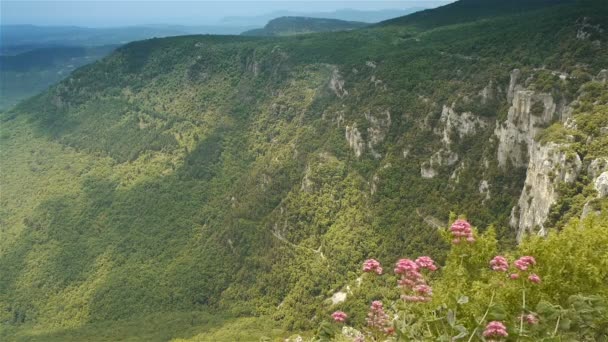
x=342, y=14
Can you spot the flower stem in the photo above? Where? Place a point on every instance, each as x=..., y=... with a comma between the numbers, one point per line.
x=556, y=326
x=523, y=311
x=484, y=316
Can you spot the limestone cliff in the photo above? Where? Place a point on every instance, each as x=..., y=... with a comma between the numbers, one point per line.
x=548, y=166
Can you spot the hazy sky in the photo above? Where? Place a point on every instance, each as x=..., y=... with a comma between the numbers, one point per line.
x=97, y=13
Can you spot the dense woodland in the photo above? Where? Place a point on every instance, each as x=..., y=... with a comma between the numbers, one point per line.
x=204, y=184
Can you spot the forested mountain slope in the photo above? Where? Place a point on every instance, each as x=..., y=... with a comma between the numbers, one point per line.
x=287, y=26
x=252, y=176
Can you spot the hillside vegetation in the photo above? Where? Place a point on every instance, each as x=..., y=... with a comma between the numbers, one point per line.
x=232, y=185
x=287, y=26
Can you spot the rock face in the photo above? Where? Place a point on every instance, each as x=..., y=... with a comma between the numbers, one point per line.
x=549, y=165
x=452, y=124
x=355, y=141
x=601, y=184
x=336, y=84
x=379, y=125
x=529, y=112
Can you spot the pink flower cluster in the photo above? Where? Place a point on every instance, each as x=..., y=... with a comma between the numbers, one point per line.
x=495, y=330
x=339, y=316
x=378, y=319
x=534, y=278
x=426, y=262
x=372, y=265
x=525, y=262
x=412, y=281
x=499, y=263
x=461, y=229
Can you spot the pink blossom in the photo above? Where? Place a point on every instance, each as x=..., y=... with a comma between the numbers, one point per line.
x=525, y=262
x=534, y=278
x=339, y=316
x=495, y=329
x=377, y=318
x=426, y=262
x=499, y=263
x=514, y=276
x=372, y=265
x=404, y=266
x=423, y=289
x=461, y=229
x=531, y=319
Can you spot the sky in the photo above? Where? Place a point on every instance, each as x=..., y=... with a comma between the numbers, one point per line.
x=108, y=13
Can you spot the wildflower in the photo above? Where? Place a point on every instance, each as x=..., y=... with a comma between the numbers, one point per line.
x=423, y=289
x=426, y=262
x=534, y=278
x=377, y=318
x=499, y=263
x=531, y=319
x=495, y=329
x=412, y=281
x=461, y=229
x=514, y=276
x=404, y=266
x=339, y=316
x=372, y=265
x=525, y=262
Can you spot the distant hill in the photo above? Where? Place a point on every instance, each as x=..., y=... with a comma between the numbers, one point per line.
x=287, y=26
x=342, y=14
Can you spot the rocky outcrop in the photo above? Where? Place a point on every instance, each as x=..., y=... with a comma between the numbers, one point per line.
x=452, y=124
x=601, y=184
x=379, y=124
x=462, y=124
x=549, y=165
x=528, y=114
x=355, y=141
x=336, y=84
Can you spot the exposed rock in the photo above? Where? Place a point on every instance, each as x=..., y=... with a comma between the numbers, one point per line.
x=370, y=64
x=512, y=84
x=602, y=76
x=307, y=184
x=336, y=84
x=427, y=171
x=586, y=29
x=338, y=297
x=379, y=126
x=355, y=141
x=601, y=184
x=588, y=210
x=516, y=135
x=438, y=159
x=487, y=93
x=596, y=167
x=484, y=188
x=549, y=165
x=463, y=124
